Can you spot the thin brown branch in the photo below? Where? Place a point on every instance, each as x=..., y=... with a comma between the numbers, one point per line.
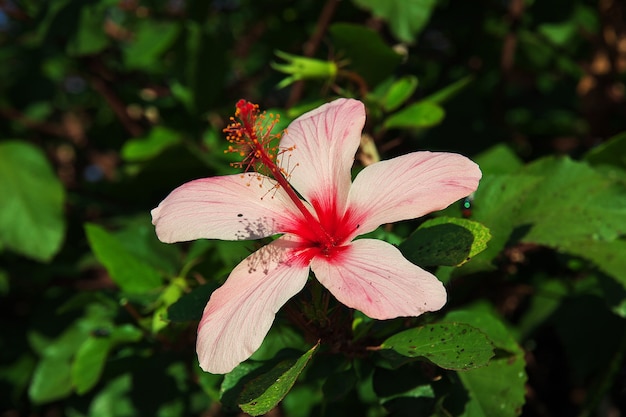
x=48, y=128
x=310, y=47
x=101, y=86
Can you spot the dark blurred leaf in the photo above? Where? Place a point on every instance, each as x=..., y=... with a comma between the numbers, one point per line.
x=90, y=36
x=611, y=152
x=406, y=18
x=457, y=346
x=365, y=52
x=206, y=66
x=128, y=272
x=150, y=41
x=416, y=116
x=31, y=207
x=445, y=241
x=339, y=385
x=265, y=391
x=189, y=307
x=450, y=91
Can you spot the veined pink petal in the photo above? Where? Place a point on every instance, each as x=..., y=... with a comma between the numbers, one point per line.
x=372, y=276
x=409, y=186
x=325, y=141
x=234, y=207
x=240, y=313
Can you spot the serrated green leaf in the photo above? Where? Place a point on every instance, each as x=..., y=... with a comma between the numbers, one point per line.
x=264, y=392
x=140, y=149
x=497, y=389
x=406, y=18
x=445, y=241
x=399, y=92
x=129, y=273
x=416, y=116
x=31, y=207
x=457, y=346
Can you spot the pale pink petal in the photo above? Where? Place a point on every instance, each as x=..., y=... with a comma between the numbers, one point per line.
x=325, y=141
x=234, y=207
x=240, y=313
x=373, y=277
x=409, y=186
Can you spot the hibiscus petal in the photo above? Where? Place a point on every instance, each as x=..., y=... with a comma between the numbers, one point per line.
x=372, y=276
x=409, y=186
x=240, y=313
x=325, y=141
x=234, y=207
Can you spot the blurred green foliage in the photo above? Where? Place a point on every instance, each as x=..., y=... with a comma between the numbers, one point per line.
x=107, y=105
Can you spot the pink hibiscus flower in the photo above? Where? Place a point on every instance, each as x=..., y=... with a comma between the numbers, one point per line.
x=308, y=198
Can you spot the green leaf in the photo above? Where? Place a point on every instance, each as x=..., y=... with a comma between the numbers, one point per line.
x=31, y=207
x=457, y=346
x=89, y=363
x=416, y=116
x=91, y=357
x=445, y=241
x=141, y=149
x=499, y=159
x=497, y=389
x=169, y=295
x=365, y=50
x=129, y=273
x=406, y=18
x=399, y=92
x=52, y=379
x=611, y=152
x=265, y=391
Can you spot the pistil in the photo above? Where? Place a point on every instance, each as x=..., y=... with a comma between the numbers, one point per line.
x=252, y=137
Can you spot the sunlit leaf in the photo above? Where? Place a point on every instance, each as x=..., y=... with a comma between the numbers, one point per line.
x=445, y=241
x=497, y=389
x=265, y=391
x=31, y=207
x=451, y=345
